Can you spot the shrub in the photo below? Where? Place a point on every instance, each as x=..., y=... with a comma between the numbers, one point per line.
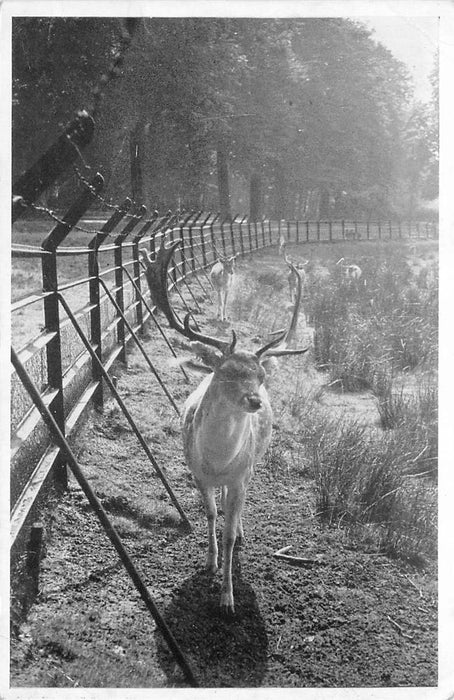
x=368, y=478
x=390, y=324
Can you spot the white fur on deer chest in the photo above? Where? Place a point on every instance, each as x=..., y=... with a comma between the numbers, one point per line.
x=220, y=277
x=220, y=446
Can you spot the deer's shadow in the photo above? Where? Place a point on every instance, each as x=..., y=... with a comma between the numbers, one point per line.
x=222, y=652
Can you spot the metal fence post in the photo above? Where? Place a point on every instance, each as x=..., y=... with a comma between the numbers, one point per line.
x=186, y=220
x=119, y=281
x=232, y=238
x=223, y=237
x=241, y=235
x=51, y=306
x=191, y=240
x=202, y=240
x=249, y=235
x=213, y=242
x=137, y=271
x=95, y=297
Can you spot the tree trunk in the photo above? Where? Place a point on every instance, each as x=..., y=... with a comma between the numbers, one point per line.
x=255, y=198
x=279, y=194
x=324, y=211
x=223, y=184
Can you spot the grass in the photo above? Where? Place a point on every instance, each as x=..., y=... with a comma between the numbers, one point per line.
x=376, y=481
x=390, y=324
x=370, y=479
x=381, y=338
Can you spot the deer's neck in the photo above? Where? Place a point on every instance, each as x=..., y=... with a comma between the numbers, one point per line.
x=224, y=430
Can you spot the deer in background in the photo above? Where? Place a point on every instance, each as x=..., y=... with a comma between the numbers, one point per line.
x=282, y=243
x=226, y=422
x=351, y=274
x=221, y=277
x=292, y=277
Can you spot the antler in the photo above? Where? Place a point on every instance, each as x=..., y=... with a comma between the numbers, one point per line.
x=156, y=274
x=286, y=336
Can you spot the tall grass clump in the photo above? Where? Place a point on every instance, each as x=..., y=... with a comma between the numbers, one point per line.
x=387, y=325
x=370, y=480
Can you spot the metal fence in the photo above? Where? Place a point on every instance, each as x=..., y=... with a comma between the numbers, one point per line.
x=78, y=344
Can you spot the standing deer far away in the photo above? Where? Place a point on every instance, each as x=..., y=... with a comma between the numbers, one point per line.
x=282, y=243
x=351, y=274
x=292, y=277
x=221, y=277
x=227, y=420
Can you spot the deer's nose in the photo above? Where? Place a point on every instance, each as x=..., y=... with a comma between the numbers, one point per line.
x=253, y=402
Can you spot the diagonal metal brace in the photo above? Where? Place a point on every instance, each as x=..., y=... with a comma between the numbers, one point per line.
x=153, y=317
x=104, y=520
x=139, y=345
x=125, y=411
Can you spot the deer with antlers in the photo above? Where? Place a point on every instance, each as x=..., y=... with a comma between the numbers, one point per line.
x=221, y=277
x=227, y=420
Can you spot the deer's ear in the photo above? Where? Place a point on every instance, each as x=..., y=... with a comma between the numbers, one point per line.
x=189, y=363
x=269, y=364
x=208, y=355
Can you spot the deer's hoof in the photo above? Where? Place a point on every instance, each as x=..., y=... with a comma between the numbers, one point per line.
x=211, y=566
x=227, y=605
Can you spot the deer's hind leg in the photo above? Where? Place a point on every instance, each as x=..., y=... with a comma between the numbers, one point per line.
x=234, y=505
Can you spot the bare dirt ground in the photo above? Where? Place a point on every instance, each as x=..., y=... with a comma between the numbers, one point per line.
x=352, y=618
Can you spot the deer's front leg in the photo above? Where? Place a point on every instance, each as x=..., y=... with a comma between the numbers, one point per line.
x=239, y=529
x=219, y=304
x=233, y=508
x=208, y=495
x=224, y=308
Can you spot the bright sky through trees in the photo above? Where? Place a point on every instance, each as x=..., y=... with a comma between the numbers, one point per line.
x=413, y=40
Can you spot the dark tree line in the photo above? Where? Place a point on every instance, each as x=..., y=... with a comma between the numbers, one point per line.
x=279, y=117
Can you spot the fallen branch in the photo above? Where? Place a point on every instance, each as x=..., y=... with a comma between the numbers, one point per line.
x=414, y=585
x=396, y=624
x=296, y=561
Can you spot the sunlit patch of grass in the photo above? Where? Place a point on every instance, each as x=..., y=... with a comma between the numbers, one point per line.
x=366, y=477
x=392, y=319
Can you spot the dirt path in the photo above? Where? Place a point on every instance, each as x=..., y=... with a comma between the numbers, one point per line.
x=352, y=618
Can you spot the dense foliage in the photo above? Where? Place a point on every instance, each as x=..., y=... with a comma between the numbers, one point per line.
x=308, y=117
